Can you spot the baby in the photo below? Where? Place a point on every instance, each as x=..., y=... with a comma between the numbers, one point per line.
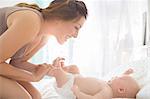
x=74, y=86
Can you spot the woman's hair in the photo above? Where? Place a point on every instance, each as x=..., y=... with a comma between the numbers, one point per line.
x=61, y=9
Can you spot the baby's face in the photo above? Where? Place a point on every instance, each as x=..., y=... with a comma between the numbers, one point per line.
x=124, y=84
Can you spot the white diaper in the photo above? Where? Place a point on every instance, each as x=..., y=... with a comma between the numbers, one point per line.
x=65, y=91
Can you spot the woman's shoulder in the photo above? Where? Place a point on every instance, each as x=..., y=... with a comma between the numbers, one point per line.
x=15, y=9
x=23, y=13
x=24, y=17
x=24, y=21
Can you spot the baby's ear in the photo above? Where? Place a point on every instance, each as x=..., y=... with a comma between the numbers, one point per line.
x=121, y=90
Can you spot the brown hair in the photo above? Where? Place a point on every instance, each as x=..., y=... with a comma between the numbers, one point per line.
x=61, y=9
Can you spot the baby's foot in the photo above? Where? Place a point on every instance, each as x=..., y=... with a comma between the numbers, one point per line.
x=76, y=90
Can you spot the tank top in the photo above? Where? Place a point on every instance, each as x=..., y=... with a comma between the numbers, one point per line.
x=28, y=50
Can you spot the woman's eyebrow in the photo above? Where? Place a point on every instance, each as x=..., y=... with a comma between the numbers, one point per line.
x=79, y=25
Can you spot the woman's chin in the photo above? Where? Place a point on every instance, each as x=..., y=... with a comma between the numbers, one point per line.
x=61, y=42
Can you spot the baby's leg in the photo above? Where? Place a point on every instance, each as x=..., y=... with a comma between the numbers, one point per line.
x=72, y=69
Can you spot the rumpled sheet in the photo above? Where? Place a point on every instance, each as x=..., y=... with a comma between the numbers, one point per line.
x=142, y=69
x=46, y=87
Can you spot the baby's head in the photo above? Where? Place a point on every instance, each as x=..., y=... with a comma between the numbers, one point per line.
x=124, y=87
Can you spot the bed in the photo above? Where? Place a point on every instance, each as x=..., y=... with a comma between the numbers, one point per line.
x=142, y=72
x=46, y=87
x=142, y=68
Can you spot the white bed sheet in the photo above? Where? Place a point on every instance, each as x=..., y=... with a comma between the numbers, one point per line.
x=46, y=86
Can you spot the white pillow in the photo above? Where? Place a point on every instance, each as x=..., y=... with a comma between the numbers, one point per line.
x=144, y=93
x=140, y=70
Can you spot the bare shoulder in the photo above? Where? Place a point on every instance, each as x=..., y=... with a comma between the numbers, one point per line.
x=23, y=27
x=24, y=17
x=24, y=22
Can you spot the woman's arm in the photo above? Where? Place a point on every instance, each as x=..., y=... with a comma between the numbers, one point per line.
x=10, y=71
x=32, y=68
x=24, y=65
x=21, y=31
x=29, y=71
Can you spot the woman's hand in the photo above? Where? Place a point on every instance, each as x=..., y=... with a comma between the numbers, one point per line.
x=41, y=71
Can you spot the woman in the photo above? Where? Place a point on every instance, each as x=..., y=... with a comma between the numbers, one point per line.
x=24, y=29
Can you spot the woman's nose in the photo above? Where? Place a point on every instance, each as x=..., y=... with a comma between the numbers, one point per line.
x=75, y=35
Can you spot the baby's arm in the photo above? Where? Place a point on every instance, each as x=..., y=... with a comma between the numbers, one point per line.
x=129, y=71
x=91, y=88
x=79, y=94
x=103, y=94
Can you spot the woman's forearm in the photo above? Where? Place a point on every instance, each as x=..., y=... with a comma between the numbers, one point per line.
x=12, y=72
x=24, y=65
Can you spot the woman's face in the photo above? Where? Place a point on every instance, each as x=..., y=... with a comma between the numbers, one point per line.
x=68, y=29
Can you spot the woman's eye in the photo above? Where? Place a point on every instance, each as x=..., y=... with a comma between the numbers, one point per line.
x=76, y=28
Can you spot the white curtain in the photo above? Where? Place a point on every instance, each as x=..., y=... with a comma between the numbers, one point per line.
x=113, y=31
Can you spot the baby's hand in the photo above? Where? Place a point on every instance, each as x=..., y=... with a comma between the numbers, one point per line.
x=129, y=71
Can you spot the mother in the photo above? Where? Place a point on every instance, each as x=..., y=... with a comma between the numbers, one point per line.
x=24, y=29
